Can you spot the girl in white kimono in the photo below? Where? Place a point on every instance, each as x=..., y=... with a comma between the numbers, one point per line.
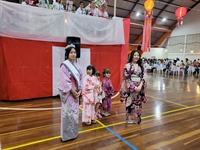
x=70, y=86
x=89, y=95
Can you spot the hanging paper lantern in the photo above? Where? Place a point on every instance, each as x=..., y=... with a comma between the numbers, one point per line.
x=181, y=12
x=148, y=5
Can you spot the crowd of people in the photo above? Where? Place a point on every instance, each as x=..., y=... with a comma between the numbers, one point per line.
x=170, y=64
x=96, y=95
x=95, y=8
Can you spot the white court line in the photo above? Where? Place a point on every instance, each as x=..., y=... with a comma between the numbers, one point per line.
x=9, y=108
x=115, y=95
x=55, y=108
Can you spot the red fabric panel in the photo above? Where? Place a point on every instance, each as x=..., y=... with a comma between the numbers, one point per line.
x=107, y=57
x=125, y=47
x=3, y=81
x=28, y=69
x=26, y=66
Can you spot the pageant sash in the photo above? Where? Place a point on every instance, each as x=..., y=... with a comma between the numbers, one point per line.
x=74, y=72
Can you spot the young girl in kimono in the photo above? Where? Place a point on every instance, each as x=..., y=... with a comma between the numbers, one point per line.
x=133, y=88
x=89, y=96
x=100, y=96
x=109, y=91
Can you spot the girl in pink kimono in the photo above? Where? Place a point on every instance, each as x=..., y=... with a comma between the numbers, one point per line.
x=109, y=91
x=69, y=85
x=89, y=95
x=100, y=95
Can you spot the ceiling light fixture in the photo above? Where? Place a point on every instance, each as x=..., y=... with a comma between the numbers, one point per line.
x=164, y=19
x=137, y=14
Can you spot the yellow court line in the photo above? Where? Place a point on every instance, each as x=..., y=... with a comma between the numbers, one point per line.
x=101, y=123
x=163, y=113
x=48, y=139
x=168, y=101
x=103, y=126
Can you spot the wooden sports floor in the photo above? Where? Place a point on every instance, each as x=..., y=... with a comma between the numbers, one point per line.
x=170, y=121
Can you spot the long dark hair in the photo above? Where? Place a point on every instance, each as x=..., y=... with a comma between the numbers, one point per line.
x=67, y=51
x=139, y=62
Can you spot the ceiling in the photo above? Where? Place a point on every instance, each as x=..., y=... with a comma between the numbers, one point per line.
x=162, y=9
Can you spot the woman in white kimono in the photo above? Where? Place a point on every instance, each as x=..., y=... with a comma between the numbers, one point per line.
x=70, y=86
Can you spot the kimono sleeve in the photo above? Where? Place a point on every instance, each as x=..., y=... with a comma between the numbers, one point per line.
x=64, y=82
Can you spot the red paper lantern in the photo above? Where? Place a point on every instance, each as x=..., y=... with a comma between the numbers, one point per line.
x=180, y=12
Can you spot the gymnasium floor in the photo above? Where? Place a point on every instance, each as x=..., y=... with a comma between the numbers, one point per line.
x=170, y=121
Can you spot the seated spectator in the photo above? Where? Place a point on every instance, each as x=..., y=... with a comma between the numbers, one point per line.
x=102, y=12
x=35, y=3
x=92, y=10
x=81, y=9
x=44, y=4
x=25, y=2
x=154, y=67
x=58, y=6
x=73, y=9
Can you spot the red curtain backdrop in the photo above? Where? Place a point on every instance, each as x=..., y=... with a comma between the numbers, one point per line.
x=26, y=65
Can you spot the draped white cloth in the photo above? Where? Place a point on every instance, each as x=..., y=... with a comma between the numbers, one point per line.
x=32, y=23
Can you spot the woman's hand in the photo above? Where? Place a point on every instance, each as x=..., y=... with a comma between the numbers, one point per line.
x=138, y=89
x=74, y=93
x=79, y=93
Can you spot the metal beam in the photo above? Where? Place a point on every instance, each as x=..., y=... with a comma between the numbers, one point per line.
x=153, y=28
x=163, y=9
x=133, y=7
x=162, y=38
x=153, y=7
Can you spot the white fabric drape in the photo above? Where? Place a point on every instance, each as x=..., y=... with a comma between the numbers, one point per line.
x=32, y=23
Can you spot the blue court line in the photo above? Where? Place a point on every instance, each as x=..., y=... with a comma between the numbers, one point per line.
x=122, y=139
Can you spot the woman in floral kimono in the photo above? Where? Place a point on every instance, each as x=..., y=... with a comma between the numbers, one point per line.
x=133, y=88
x=69, y=85
x=89, y=95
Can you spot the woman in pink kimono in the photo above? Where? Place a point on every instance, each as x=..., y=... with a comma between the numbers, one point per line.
x=133, y=88
x=89, y=95
x=69, y=85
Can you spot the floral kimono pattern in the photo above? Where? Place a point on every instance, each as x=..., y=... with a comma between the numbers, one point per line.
x=109, y=91
x=132, y=76
x=89, y=95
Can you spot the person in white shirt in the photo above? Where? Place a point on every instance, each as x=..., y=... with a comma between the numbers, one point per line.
x=58, y=6
x=178, y=62
x=25, y=2
x=73, y=9
x=92, y=10
x=44, y=4
x=102, y=12
x=81, y=10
